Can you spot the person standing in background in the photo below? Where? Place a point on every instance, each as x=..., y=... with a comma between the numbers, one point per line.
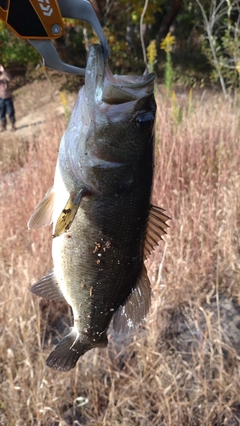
x=6, y=101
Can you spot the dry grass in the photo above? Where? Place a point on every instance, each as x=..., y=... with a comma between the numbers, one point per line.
x=182, y=366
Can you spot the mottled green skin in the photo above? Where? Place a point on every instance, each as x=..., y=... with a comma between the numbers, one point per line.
x=99, y=259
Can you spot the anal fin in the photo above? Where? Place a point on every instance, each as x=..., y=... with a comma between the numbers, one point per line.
x=69, y=212
x=134, y=311
x=48, y=287
x=42, y=215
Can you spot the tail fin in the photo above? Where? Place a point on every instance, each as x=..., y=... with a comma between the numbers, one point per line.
x=65, y=355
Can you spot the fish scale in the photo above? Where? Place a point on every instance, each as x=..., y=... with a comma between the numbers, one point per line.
x=115, y=263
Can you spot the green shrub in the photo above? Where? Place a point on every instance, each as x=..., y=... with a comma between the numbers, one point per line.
x=14, y=50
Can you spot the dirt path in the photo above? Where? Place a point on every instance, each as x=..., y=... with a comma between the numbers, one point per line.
x=36, y=103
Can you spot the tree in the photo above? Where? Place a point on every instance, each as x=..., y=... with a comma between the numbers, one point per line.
x=221, y=24
x=15, y=51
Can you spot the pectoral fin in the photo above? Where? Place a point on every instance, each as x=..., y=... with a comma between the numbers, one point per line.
x=155, y=229
x=68, y=214
x=133, y=313
x=42, y=215
x=48, y=287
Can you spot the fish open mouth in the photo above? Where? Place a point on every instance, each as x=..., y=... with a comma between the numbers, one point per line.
x=102, y=86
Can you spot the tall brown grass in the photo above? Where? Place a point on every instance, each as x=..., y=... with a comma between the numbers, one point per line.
x=182, y=366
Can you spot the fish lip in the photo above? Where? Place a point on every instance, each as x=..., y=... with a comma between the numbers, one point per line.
x=129, y=81
x=119, y=89
x=102, y=86
x=94, y=76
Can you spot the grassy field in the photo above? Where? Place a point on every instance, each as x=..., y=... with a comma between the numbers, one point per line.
x=181, y=368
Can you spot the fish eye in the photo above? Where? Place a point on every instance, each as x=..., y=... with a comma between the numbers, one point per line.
x=145, y=121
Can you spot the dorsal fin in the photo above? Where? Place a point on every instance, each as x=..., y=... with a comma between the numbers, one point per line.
x=136, y=307
x=42, y=215
x=155, y=229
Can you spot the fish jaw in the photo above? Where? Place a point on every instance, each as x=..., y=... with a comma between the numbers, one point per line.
x=102, y=86
x=94, y=77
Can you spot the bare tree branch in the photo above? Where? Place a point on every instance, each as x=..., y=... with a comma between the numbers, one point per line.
x=208, y=25
x=142, y=34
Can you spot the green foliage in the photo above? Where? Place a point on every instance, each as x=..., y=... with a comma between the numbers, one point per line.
x=15, y=51
x=176, y=110
x=74, y=38
x=122, y=27
x=151, y=55
x=221, y=43
x=228, y=51
x=168, y=74
x=192, y=59
x=65, y=105
x=166, y=45
x=134, y=9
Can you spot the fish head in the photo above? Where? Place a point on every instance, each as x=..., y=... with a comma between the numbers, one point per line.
x=111, y=126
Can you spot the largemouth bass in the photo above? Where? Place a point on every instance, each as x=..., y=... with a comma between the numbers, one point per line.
x=104, y=225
